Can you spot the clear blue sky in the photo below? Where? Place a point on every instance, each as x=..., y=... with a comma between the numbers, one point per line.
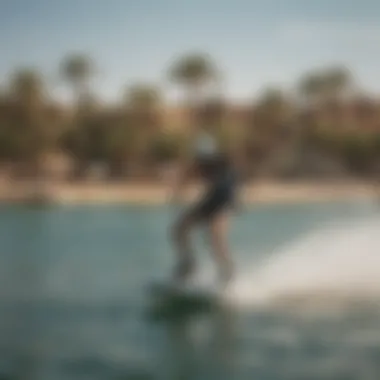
x=255, y=42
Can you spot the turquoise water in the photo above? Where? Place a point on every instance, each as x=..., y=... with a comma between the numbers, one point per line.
x=304, y=305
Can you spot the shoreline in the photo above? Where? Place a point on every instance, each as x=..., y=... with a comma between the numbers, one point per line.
x=139, y=193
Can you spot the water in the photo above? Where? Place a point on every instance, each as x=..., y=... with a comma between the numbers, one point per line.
x=304, y=306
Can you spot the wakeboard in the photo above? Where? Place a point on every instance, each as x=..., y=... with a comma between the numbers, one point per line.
x=176, y=301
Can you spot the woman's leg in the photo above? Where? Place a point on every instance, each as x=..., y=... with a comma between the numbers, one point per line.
x=182, y=245
x=218, y=227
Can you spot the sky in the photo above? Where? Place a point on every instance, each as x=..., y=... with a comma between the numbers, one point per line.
x=255, y=43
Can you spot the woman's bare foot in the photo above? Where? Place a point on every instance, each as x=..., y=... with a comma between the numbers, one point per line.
x=226, y=273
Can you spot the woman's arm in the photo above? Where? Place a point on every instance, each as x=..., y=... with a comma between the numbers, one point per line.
x=183, y=170
x=237, y=151
x=238, y=158
x=180, y=180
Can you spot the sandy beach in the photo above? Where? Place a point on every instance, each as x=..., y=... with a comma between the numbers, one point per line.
x=139, y=193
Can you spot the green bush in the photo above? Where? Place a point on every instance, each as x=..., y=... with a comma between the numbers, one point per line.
x=166, y=146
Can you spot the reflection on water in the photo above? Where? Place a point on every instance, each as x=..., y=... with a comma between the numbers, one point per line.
x=199, y=347
x=113, y=341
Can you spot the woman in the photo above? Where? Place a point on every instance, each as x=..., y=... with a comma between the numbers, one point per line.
x=213, y=153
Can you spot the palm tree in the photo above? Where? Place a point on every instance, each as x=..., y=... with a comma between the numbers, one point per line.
x=77, y=69
x=337, y=81
x=142, y=118
x=311, y=87
x=143, y=96
x=27, y=93
x=326, y=84
x=273, y=99
x=30, y=132
x=194, y=71
x=26, y=87
x=273, y=108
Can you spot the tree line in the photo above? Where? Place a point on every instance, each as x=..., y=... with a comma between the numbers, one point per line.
x=323, y=126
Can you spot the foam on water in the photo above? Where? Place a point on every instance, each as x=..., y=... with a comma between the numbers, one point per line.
x=337, y=265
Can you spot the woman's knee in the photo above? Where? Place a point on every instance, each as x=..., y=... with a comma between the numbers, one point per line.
x=218, y=229
x=181, y=229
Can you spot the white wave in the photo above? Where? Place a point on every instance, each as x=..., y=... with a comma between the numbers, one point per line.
x=332, y=266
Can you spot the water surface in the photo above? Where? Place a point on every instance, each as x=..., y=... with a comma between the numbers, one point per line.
x=304, y=306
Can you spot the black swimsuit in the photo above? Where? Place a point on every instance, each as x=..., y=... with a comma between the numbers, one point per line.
x=221, y=180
